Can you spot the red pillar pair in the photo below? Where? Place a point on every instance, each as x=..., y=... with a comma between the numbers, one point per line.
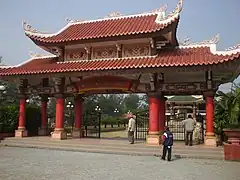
x=156, y=119
x=209, y=137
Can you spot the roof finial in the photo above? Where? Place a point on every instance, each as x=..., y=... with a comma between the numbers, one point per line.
x=233, y=47
x=28, y=27
x=185, y=42
x=69, y=20
x=215, y=39
x=35, y=55
x=113, y=14
x=161, y=9
x=161, y=16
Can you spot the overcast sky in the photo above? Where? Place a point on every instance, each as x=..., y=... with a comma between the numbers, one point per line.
x=200, y=19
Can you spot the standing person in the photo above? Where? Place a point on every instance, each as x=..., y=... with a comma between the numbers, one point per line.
x=131, y=128
x=189, y=124
x=167, y=139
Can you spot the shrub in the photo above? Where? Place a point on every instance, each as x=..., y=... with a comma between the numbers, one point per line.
x=8, y=118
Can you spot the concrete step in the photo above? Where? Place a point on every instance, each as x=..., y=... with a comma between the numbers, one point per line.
x=112, y=148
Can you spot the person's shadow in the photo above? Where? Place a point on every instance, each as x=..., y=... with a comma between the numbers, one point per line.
x=174, y=157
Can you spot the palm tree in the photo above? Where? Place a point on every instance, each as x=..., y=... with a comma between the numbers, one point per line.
x=230, y=102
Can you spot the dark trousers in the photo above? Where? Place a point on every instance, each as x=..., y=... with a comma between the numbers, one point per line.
x=131, y=136
x=189, y=138
x=167, y=150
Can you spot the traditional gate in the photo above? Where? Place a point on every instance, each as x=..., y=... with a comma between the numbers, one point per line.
x=92, y=124
x=142, y=119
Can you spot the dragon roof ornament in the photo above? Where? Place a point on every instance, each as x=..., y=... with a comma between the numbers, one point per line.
x=233, y=47
x=161, y=12
x=35, y=55
x=69, y=20
x=187, y=41
x=113, y=14
x=29, y=29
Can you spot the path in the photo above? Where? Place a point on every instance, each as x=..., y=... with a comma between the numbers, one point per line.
x=40, y=164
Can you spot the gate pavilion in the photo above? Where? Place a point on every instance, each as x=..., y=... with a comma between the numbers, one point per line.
x=121, y=54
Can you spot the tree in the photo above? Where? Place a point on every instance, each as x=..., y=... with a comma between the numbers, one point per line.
x=8, y=92
x=230, y=104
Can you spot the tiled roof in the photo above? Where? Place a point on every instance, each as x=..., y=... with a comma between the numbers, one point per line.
x=132, y=25
x=183, y=99
x=191, y=56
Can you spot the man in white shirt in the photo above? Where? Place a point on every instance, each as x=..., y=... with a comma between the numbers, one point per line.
x=131, y=128
x=189, y=124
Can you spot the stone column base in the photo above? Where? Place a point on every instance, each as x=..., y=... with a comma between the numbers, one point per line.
x=153, y=139
x=77, y=133
x=42, y=131
x=21, y=133
x=59, y=134
x=210, y=140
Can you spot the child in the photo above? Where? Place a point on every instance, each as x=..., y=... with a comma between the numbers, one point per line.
x=167, y=139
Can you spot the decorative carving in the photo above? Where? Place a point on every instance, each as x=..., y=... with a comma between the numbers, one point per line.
x=180, y=87
x=87, y=49
x=138, y=50
x=40, y=90
x=152, y=43
x=102, y=53
x=119, y=48
x=56, y=51
x=161, y=9
x=28, y=27
x=233, y=47
x=35, y=55
x=187, y=41
x=113, y=14
x=161, y=15
x=69, y=20
x=76, y=54
x=58, y=84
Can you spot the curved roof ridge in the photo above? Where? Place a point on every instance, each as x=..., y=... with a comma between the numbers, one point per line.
x=161, y=19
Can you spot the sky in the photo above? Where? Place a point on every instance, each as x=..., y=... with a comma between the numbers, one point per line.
x=200, y=20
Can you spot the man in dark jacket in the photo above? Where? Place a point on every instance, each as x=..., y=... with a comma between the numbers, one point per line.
x=167, y=140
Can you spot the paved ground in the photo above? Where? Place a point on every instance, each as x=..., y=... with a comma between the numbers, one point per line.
x=21, y=163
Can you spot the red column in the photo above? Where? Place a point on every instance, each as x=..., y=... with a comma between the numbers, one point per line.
x=209, y=115
x=22, y=114
x=154, y=106
x=78, y=112
x=44, y=112
x=161, y=114
x=59, y=113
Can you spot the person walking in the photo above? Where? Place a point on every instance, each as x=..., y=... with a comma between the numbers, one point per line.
x=167, y=139
x=189, y=124
x=131, y=128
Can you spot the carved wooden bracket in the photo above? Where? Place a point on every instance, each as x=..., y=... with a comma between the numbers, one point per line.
x=87, y=49
x=119, y=47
